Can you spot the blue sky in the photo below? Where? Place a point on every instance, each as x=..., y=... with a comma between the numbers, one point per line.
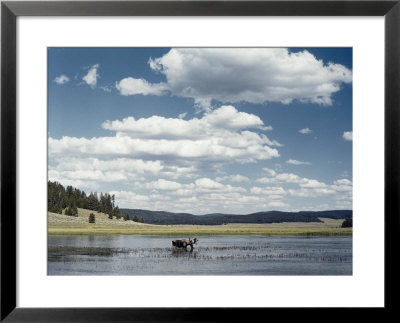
x=204, y=130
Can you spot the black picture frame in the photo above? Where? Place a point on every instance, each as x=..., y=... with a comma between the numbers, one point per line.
x=10, y=10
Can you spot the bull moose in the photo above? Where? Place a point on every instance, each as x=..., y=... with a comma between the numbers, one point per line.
x=184, y=243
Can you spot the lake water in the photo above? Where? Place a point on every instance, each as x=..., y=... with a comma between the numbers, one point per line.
x=213, y=255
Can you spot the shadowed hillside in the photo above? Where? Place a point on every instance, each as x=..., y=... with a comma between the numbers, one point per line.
x=162, y=217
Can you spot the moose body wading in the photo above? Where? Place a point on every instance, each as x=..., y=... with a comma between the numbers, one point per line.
x=184, y=243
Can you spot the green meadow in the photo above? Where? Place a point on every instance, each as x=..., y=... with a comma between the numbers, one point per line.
x=60, y=224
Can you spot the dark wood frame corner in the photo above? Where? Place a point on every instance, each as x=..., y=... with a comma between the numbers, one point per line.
x=10, y=10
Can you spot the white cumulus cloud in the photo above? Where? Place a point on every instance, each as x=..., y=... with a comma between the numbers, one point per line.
x=132, y=86
x=297, y=162
x=255, y=75
x=302, y=186
x=348, y=135
x=305, y=131
x=219, y=136
x=163, y=184
x=218, y=121
x=91, y=77
x=62, y=79
x=238, y=178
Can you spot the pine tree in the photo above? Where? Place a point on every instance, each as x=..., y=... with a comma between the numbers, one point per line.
x=348, y=223
x=92, y=218
x=71, y=210
x=117, y=213
x=55, y=197
x=74, y=210
x=108, y=204
x=126, y=217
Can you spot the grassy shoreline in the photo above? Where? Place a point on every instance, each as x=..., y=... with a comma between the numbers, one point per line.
x=174, y=231
x=68, y=225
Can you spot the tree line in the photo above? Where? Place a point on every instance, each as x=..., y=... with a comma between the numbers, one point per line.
x=70, y=199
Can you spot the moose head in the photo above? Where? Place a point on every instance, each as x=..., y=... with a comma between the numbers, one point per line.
x=193, y=241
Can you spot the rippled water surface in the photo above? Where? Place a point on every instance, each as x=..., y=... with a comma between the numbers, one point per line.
x=213, y=255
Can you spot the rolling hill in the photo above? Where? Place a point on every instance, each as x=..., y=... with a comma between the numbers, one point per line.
x=163, y=217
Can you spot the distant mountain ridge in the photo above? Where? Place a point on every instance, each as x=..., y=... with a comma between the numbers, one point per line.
x=163, y=217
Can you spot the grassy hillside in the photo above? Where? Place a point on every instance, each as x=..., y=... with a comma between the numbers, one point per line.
x=82, y=220
x=63, y=224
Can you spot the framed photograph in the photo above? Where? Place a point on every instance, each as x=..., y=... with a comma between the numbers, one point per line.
x=162, y=159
